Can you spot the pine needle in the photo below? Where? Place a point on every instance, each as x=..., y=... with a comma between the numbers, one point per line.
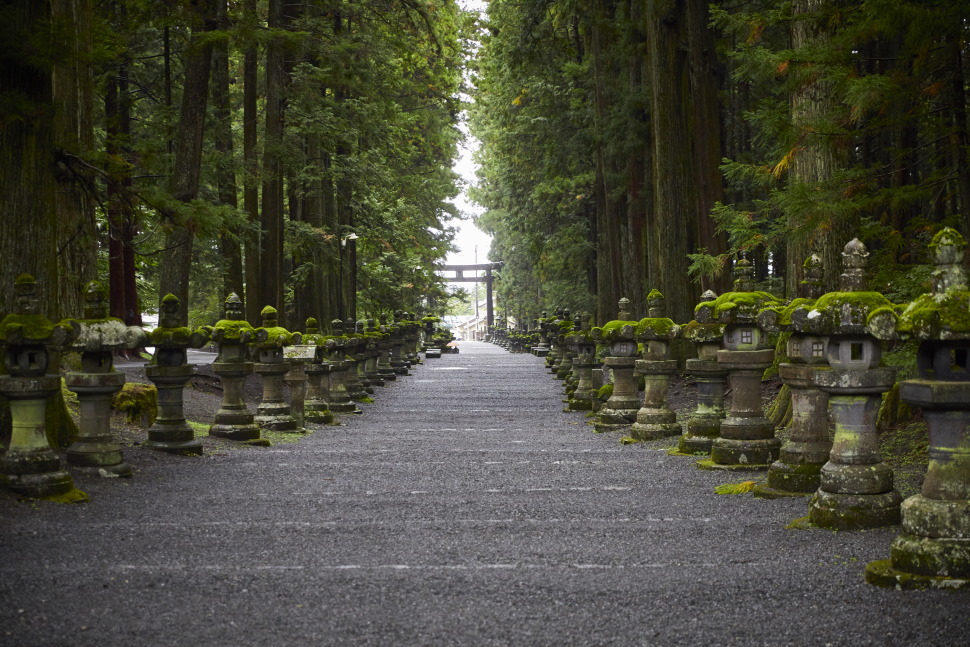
x=735, y=488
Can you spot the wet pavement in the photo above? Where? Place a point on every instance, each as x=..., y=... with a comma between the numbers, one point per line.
x=463, y=508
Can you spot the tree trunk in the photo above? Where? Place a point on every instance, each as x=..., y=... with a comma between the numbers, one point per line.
x=73, y=93
x=609, y=222
x=27, y=180
x=29, y=184
x=250, y=165
x=176, y=258
x=815, y=160
x=674, y=205
x=226, y=175
x=708, y=143
x=271, y=216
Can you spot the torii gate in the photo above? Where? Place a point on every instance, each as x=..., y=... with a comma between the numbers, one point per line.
x=487, y=279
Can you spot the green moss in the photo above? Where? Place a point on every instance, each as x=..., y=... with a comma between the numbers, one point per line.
x=655, y=328
x=948, y=236
x=629, y=440
x=605, y=392
x=655, y=294
x=937, y=316
x=179, y=335
x=232, y=328
x=785, y=312
x=277, y=336
x=366, y=400
x=865, y=302
x=198, y=428
x=699, y=333
x=733, y=301
x=139, y=402
x=72, y=496
x=735, y=488
x=31, y=327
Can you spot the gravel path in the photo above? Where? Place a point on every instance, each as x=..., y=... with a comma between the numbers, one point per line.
x=463, y=508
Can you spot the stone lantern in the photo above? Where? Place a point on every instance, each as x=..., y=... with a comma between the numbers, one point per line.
x=30, y=467
x=232, y=337
x=316, y=406
x=398, y=330
x=542, y=349
x=97, y=381
x=431, y=350
x=933, y=549
x=747, y=440
x=799, y=465
x=356, y=353
x=169, y=370
x=340, y=400
x=411, y=337
x=566, y=353
x=655, y=332
x=554, y=358
x=855, y=487
x=584, y=362
x=368, y=370
x=274, y=412
x=711, y=379
x=620, y=411
x=384, y=344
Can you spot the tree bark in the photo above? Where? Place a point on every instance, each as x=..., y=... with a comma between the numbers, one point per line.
x=815, y=161
x=708, y=143
x=674, y=205
x=27, y=180
x=73, y=94
x=226, y=174
x=250, y=165
x=176, y=258
x=29, y=238
x=271, y=214
x=609, y=218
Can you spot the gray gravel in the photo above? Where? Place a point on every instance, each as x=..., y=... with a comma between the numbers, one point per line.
x=463, y=508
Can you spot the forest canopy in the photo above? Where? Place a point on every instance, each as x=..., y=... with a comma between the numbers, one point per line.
x=637, y=144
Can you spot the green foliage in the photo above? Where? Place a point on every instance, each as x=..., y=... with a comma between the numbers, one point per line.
x=843, y=131
x=532, y=115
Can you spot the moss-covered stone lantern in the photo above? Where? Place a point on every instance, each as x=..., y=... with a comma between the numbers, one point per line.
x=340, y=400
x=747, y=440
x=584, y=349
x=274, y=411
x=799, y=465
x=316, y=404
x=96, y=382
x=655, y=332
x=397, y=330
x=933, y=549
x=233, y=336
x=412, y=337
x=554, y=358
x=369, y=372
x=620, y=411
x=711, y=379
x=30, y=467
x=566, y=353
x=170, y=371
x=384, y=344
x=356, y=353
x=542, y=348
x=855, y=487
